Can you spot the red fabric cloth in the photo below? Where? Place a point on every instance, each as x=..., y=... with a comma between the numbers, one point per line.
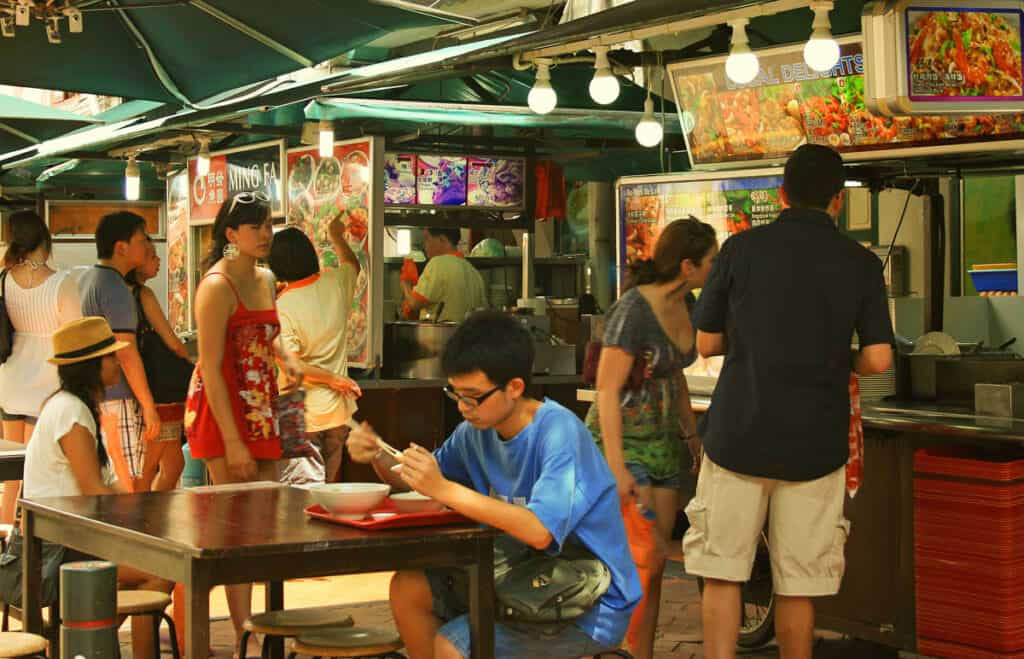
x=640, y=534
x=409, y=272
x=250, y=374
x=550, y=181
x=855, y=463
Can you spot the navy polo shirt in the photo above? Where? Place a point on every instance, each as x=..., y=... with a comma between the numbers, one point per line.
x=789, y=296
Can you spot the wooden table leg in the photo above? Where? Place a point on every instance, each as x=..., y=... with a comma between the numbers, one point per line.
x=481, y=601
x=197, y=611
x=275, y=602
x=32, y=577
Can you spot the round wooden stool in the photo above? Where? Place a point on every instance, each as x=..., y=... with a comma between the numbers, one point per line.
x=349, y=642
x=149, y=603
x=288, y=623
x=18, y=644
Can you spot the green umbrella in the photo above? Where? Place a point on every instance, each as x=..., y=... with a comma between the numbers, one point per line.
x=24, y=123
x=185, y=51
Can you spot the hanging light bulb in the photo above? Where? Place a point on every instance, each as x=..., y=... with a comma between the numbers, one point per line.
x=649, y=131
x=132, y=180
x=742, y=65
x=604, y=86
x=203, y=159
x=821, y=52
x=542, y=98
x=326, y=139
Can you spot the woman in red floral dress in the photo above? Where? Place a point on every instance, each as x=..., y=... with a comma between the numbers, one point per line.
x=229, y=417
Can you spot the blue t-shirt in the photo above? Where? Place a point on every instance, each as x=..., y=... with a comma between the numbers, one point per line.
x=554, y=469
x=104, y=293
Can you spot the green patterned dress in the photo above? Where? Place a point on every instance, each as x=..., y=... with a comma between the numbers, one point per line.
x=651, y=431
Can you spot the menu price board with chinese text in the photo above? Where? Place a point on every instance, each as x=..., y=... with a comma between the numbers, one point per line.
x=942, y=57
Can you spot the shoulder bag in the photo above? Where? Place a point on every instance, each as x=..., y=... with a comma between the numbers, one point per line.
x=540, y=593
x=167, y=373
x=6, y=328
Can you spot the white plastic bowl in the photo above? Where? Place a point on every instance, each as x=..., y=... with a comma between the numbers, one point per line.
x=349, y=500
x=414, y=502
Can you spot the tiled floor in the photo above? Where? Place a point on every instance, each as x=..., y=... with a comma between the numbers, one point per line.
x=679, y=630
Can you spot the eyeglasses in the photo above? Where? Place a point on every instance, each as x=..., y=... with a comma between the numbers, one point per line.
x=248, y=198
x=469, y=401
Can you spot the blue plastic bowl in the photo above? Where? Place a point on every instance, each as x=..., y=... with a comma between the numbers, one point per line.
x=994, y=280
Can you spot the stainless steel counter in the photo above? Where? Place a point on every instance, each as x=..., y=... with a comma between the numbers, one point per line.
x=912, y=417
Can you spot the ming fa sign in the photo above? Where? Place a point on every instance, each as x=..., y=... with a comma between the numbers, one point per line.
x=255, y=167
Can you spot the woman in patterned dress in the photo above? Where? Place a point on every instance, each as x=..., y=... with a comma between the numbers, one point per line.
x=229, y=417
x=641, y=419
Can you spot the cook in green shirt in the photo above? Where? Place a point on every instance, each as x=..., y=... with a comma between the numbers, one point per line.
x=447, y=278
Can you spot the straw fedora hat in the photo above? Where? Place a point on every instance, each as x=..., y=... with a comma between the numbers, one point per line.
x=82, y=339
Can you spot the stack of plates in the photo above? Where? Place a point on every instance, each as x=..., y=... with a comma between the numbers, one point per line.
x=878, y=386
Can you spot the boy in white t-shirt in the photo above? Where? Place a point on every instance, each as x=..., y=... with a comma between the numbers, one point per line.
x=313, y=308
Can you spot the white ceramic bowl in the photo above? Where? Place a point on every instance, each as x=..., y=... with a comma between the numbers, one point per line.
x=349, y=500
x=414, y=502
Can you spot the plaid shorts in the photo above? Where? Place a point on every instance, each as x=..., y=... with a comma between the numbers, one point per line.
x=130, y=427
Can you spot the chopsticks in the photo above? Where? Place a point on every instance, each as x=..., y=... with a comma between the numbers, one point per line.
x=381, y=444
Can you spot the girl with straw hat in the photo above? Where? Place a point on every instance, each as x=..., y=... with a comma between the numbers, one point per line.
x=65, y=456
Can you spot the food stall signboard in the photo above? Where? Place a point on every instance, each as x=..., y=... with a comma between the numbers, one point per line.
x=729, y=203
x=788, y=104
x=936, y=56
x=341, y=186
x=252, y=168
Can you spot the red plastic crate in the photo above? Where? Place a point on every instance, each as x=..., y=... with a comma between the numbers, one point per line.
x=969, y=553
x=934, y=648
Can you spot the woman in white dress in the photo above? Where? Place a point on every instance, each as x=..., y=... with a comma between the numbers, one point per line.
x=39, y=300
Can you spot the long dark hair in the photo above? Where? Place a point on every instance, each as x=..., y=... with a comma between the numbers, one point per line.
x=688, y=238
x=233, y=214
x=27, y=232
x=84, y=381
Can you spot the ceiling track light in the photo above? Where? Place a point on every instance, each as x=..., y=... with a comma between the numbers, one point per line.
x=648, y=131
x=132, y=180
x=326, y=138
x=604, y=86
x=542, y=98
x=821, y=52
x=742, y=65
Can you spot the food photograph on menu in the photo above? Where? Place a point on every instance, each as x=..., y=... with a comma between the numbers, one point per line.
x=964, y=53
x=441, y=180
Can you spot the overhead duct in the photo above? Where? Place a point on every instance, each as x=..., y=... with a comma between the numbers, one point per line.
x=577, y=9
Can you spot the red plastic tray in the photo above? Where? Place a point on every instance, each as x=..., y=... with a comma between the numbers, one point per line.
x=396, y=521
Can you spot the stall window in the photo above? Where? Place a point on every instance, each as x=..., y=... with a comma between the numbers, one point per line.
x=989, y=224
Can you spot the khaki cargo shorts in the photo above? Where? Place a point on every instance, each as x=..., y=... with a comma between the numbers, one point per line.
x=806, y=529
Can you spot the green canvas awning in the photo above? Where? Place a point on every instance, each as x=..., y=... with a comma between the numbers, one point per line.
x=184, y=52
x=24, y=123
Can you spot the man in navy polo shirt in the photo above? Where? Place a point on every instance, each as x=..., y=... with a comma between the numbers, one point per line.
x=782, y=304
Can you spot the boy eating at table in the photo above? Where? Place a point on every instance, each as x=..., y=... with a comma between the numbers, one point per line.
x=526, y=467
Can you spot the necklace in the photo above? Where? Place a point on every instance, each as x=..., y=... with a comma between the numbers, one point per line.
x=34, y=265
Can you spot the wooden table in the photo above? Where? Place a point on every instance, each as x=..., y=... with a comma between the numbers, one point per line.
x=203, y=537
x=12, y=460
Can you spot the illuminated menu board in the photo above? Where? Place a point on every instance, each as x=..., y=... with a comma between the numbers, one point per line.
x=788, y=104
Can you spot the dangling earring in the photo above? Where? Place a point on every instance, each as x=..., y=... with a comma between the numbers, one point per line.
x=230, y=251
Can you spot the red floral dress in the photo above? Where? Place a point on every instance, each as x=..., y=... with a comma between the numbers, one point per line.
x=249, y=371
